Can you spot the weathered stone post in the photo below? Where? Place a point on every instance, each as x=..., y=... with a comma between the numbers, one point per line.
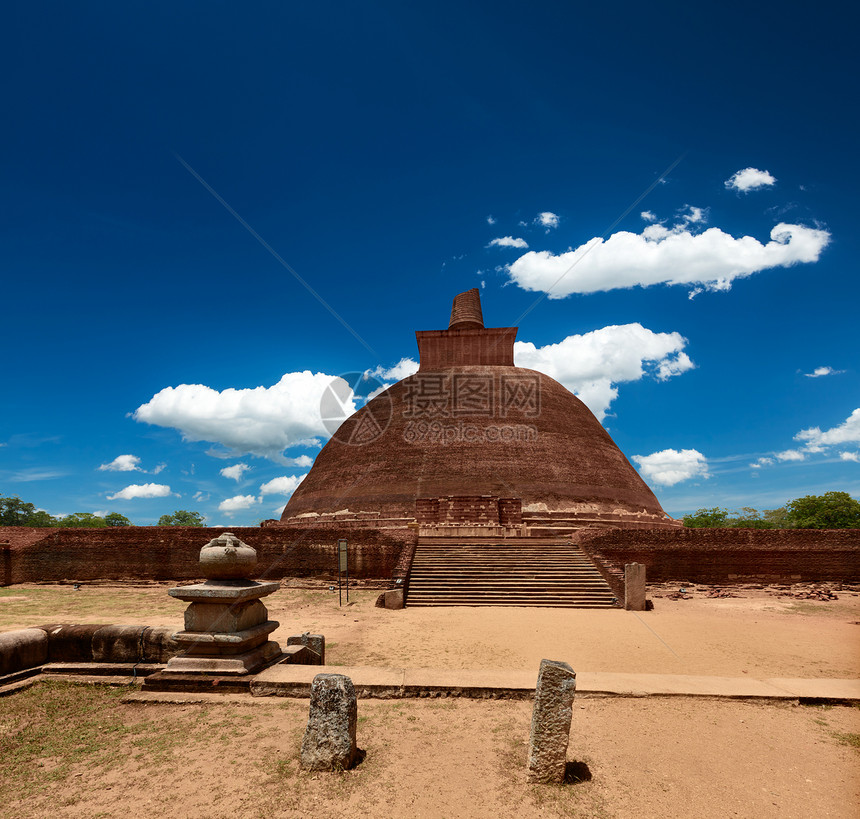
x=634, y=587
x=551, y=719
x=329, y=743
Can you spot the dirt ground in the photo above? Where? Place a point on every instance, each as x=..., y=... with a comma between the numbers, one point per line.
x=78, y=751
x=763, y=633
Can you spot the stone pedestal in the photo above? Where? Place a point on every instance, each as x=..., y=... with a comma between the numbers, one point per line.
x=226, y=626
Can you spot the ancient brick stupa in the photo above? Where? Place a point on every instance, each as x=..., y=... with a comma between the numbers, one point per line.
x=471, y=439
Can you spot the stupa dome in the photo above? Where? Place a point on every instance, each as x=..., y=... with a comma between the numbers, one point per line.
x=470, y=423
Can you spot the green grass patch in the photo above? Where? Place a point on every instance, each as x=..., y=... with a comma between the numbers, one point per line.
x=850, y=739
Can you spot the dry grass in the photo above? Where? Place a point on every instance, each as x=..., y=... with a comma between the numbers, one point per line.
x=28, y=605
x=78, y=751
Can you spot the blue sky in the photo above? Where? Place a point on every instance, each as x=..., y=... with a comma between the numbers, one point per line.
x=661, y=197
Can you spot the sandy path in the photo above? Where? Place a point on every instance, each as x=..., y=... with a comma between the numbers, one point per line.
x=760, y=634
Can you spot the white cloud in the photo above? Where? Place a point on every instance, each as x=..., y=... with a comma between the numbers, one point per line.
x=817, y=441
x=648, y=216
x=750, y=179
x=235, y=472
x=508, y=241
x=820, y=371
x=237, y=503
x=122, y=463
x=146, y=490
x=790, y=455
x=285, y=485
x=848, y=432
x=762, y=462
x=710, y=260
x=302, y=460
x=280, y=510
x=691, y=215
x=671, y=466
x=547, y=219
x=159, y=468
x=100, y=513
x=402, y=369
x=261, y=421
x=491, y=220
x=201, y=496
x=592, y=364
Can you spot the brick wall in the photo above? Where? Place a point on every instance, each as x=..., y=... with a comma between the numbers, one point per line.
x=427, y=510
x=725, y=556
x=440, y=349
x=469, y=510
x=510, y=511
x=172, y=552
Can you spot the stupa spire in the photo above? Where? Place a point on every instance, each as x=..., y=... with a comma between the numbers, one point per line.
x=466, y=342
x=466, y=311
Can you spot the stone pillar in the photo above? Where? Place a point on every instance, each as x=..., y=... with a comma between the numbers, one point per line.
x=551, y=718
x=634, y=587
x=329, y=743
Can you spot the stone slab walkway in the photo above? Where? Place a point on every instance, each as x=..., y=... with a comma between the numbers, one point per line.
x=295, y=680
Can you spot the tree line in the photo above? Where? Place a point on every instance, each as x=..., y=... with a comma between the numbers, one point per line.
x=832, y=510
x=15, y=512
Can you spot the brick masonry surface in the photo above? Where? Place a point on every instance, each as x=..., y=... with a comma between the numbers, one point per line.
x=172, y=552
x=725, y=556
x=720, y=556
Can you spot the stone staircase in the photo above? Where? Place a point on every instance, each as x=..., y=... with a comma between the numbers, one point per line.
x=517, y=572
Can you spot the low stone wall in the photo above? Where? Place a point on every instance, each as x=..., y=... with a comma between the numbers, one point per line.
x=172, y=552
x=73, y=643
x=725, y=556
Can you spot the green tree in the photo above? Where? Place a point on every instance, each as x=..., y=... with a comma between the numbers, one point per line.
x=779, y=518
x=182, y=518
x=116, y=519
x=832, y=510
x=15, y=512
x=749, y=518
x=707, y=518
x=80, y=520
x=41, y=518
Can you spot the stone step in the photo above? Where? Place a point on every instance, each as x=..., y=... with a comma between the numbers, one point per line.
x=510, y=599
x=545, y=574
x=555, y=604
x=483, y=571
